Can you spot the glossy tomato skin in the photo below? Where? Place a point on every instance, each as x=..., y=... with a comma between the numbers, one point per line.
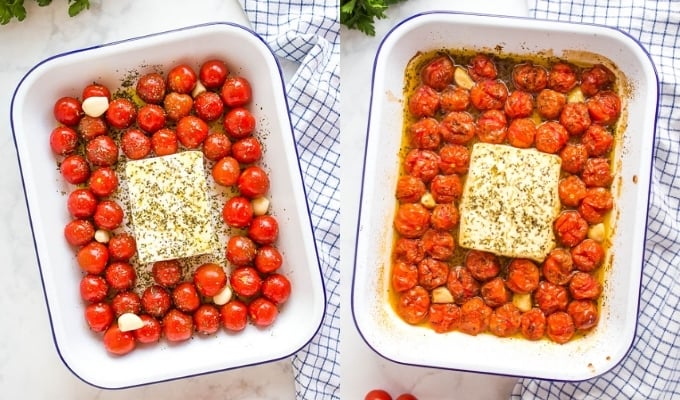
x=99, y=316
x=177, y=326
x=263, y=229
x=268, y=259
x=151, y=117
x=63, y=140
x=245, y=281
x=276, y=288
x=120, y=275
x=164, y=142
x=96, y=90
x=91, y=127
x=118, y=342
x=150, y=332
x=236, y=91
x=121, y=113
x=68, y=111
x=208, y=106
x=182, y=79
x=237, y=212
x=253, y=182
x=207, y=319
x=210, y=279
x=438, y=73
x=185, y=297
x=216, y=146
x=93, y=257
x=239, y=123
x=151, y=88
x=102, y=151
x=108, y=215
x=126, y=302
x=81, y=203
x=122, y=246
x=75, y=169
x=93, y=288
x=247, y=150
x=177, y=105
x=191, y=131
x=377, y=394
x=234, y=315
x=226, y=171
x=135, y=144
x=241, y=250
x=262, y=312
x=103, y=181
x=413, y=305
x=156, y=301
x=79, y=232
x=213, y=73
x=166, y=273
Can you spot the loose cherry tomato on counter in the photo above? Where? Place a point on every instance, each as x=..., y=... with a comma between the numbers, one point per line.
x=102, y=151
x=81, y=203
x=226, y=171
x=150, y=332
x=96, y=90
x=68, y=111
x=234, y=315
x=118, y=342
x=103, y=181
x=166, y=273
x=185, y=297
x=151, y=117
x=135, y=144
x=239, y=123
x=121, y=113
x=177, y=326
x=247, y=150
x=79, y=232
x=268, y=259
x=182, y=79
x=120, y=275
x=208, y=106
x=406, y=396
x=63, y=140
x=164, y=142
x=93, y=288
x=276, y=288
x=238, y=212
x=108, y=215
x=236, y=91
x=191, y=131
x=177, y=105
x=253, y=182
x=91, y=127
x=126, y=302
x=75, y=169
x=377, y=394
x=241, y=250
x=263, y=229
x=216, y=146
x=245, y=281
x=98, y=316
x=93, y=257
x=151, y=88
x=262, y=312
x=213, y=73
x=207, y=319
x=209, y=279
x=122, y=246
x=156, y=301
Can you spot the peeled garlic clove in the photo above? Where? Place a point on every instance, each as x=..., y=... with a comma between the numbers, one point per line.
x=575, y=96
x=596, y=232
x=522, y=301
x=427, y=200
x=260, y=205
x=102, y=236
x=129, y=322
x=223, y=296
x=442, y=294
x=462, y=78
x=95, y=106
x=198, y=89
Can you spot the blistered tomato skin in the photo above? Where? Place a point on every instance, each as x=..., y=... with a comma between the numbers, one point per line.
x=444, y=317
x=523, y=276
x=571, y=190
x=409, y=189
x=558, y=267
x=424, y=102
x=446, y=188
x=559, y=327
x=438, y=73
x=432, y=273
x=562, y=77
x=63, y=140
x=532, y=324
x=423, y=164
x=587, y=255
x=549, y=103
x=475, y=316
x=236, y=91
x=411, y=220
x=458, y=127
x=481, y=68
x=68, y=111
x=521, y=133
x=574, y=156
x=489, y=95
x=519, y=104
x=596, y=78
x=529, y=77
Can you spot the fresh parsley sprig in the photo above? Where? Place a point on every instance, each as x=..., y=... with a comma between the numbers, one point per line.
x=10, y=9
x=361, y=14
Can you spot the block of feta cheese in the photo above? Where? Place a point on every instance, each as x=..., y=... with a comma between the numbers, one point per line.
x=169, y=206
x=509, y=202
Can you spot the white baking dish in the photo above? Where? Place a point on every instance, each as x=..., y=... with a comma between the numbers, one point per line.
x=376, y=320
x=32, y=121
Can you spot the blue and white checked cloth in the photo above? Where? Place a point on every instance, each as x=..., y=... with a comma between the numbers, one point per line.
x=309, y=33
x=651, y=370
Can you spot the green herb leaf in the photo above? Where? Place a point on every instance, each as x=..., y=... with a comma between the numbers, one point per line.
x=362, y=14
x=76, y=6
x=10, y=9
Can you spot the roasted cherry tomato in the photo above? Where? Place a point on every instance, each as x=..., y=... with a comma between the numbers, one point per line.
x=529, y=77
x=489, y=95
x=482, y=265
x=432, y=273
x=549, y=103
x=494, y=292
x=444, y=317
x=519, y=104
x=521, y=133
x=559, y=327
x=575, y=118
x=532, y=324
x=424, y=102
x=454, y=159
x=505, y=320
x=462, y=285
x=558, y=266
x=481, y=67
x=523, y=275
x=423, y=164
x=438, y=73
x=410, y=189
x=562, y=77
x=425, y=134
x=404, y=275
x=475, y=316
x=574, y=157
x=412, y=220
x=414, y=304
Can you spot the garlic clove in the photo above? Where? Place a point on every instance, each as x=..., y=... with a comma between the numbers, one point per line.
x=260, y=205
x=129, y=322
x=102, y=236
x=223, y=296
x=427, y=200
x=596, y=232
x=522, y=301
x=198, y=89
x=441, y=294
x=95, y=106
x=462, y=78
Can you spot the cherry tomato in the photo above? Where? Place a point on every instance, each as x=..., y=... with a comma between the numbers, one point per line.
x=571, y=190
x=121, y=113
x=505, y=320
x=262, y=312
x=91, y=127
x=239, y=123
x=446, y=188
x=410, y=250
x=245, y=281
x=584, y=313
x=475, y=316
x=444, y=216
x=234, y=315
x=406, y=396
x=226, y=171
x=489, y=95
x=81, y=203
x=529, y=77
x=494, y=292
x=457, y=127
x=177, y=105
x=236, y=91
x=151, y=88
x=120, y=275
x=562, y=77
x=423, y=164
x=549, y=103
x=438, y=73
x=597, y=172
x=596, y=203
x=122, y=246
x=216, y=146
x=587, y=255
x=492, y=126
x=213, y=73
x=425, y=134
x=79, y=232
x=570, y=228
x=108, y=215
x=263, y=229
x=156, y=301
x=185, y=297
x=253, y=182
x=377, y=394
x=521, y=133
x=596, y=78
x=461, y=284
x=432, y=273
x=575, y=118
x=559, y=327
x=151, y=117
x=63, y=140
x=75, y=169
x=584, y=286
x=481, y=67
x=604, y=107
x=268, y=259
x=247, y=150
x=550, y=297
x=241, y=250
x=558, y=266
x=93, y=257
x=103, y=181
x=414, y=304
x=532, y=324
x=424, y=102
x=177, y=326
x=150, y=332
x=182, y=79
x=102, y=151
x=208, y=106
x=207, y=319
x=166, y=273
x=551, y=136
x=523, y=276
x=164, y=142
x=597, y=140
x=574, y=157
x=209, y=279
x=191, y=131
x=482, y=265
x=118, y=342
x=404, y=276
x=411, y=220
x=454, y=98
x=237, y=212
x=93, y=288
x=438, y=244
x=125, y=302
x=276, y=288
x=519, y=104
x=135, y=144
x=98, y=316
x=410, y=189
x=96, y=90
x=444, y=317
x=68, y=111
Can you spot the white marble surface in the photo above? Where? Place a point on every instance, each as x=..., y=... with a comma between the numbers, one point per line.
x=30, y=367
x=361, y=368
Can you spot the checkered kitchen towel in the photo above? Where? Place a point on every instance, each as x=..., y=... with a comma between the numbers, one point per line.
x=308, y=32
x=651, y=370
